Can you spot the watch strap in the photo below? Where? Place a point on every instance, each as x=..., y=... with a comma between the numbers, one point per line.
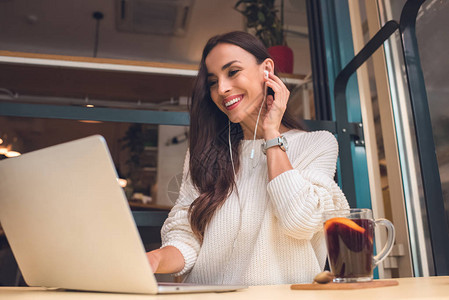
x=273, y=142
x=278, y=141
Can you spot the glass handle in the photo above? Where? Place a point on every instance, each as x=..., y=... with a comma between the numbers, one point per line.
x=391, y=234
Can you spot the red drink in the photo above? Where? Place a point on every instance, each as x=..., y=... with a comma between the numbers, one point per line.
x=350, y=247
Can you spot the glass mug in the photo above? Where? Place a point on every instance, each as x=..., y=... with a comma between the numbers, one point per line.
x=349, y=237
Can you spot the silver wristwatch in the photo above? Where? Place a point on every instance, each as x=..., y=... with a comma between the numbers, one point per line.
x=280, y=141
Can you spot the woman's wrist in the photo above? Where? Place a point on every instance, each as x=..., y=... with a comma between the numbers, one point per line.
x=271, y=134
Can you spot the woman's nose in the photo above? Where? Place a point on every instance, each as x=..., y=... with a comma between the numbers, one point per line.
x=223, y=86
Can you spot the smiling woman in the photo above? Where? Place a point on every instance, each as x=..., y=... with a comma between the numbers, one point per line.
x=232, y=84
x=234, y=64
x=249, y=211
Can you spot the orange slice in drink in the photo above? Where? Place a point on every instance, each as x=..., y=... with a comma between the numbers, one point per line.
x=347, y=222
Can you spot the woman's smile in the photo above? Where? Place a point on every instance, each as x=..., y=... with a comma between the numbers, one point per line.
x=232, y=102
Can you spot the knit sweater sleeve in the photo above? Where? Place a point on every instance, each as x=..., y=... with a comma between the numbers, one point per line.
x=176, y=230
x=300, y=196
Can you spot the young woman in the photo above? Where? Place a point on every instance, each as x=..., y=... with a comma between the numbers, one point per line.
x=255, y=185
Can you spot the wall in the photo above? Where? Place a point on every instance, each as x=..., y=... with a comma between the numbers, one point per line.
x=170, y=163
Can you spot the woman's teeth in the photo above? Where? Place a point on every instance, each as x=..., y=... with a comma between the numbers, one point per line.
x=227, y=104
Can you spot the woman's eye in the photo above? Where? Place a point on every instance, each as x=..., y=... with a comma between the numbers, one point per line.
x=211, y=83
x=233, y=72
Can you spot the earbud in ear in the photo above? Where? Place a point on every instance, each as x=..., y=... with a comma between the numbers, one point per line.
x=266, y=73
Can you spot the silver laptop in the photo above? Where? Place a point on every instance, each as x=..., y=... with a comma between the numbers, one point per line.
x=69, y=224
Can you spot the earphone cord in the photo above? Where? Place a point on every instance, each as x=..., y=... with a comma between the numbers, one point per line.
x=258, y=116
x=230, y=148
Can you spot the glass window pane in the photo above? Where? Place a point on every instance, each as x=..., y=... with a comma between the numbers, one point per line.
x=433, y=42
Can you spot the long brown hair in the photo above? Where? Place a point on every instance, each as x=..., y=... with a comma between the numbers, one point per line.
x=210, y=163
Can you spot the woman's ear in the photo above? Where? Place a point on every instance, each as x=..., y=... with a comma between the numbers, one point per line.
x=269, y=65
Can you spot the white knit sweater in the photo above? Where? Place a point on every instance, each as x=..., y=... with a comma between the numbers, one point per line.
x=280, y=239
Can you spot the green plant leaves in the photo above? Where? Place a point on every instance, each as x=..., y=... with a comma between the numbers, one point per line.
x=261, y=16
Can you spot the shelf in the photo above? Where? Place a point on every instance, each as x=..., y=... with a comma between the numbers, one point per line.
x=81, y=62
x=142, y=206
x=73, y=78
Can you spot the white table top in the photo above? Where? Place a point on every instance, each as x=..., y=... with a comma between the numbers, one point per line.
x=408, y=288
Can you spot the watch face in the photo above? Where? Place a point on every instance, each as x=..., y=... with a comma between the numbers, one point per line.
x=284, y=145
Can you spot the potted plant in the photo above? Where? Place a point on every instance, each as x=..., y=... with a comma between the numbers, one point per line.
x=262, y=17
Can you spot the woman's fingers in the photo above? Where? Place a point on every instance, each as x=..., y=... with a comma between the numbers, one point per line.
x=277, y=104
x=154, y=260
x=270, y=100
x=281, y=93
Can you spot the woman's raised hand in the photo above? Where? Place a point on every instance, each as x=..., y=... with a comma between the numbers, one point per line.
x=275, y=106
